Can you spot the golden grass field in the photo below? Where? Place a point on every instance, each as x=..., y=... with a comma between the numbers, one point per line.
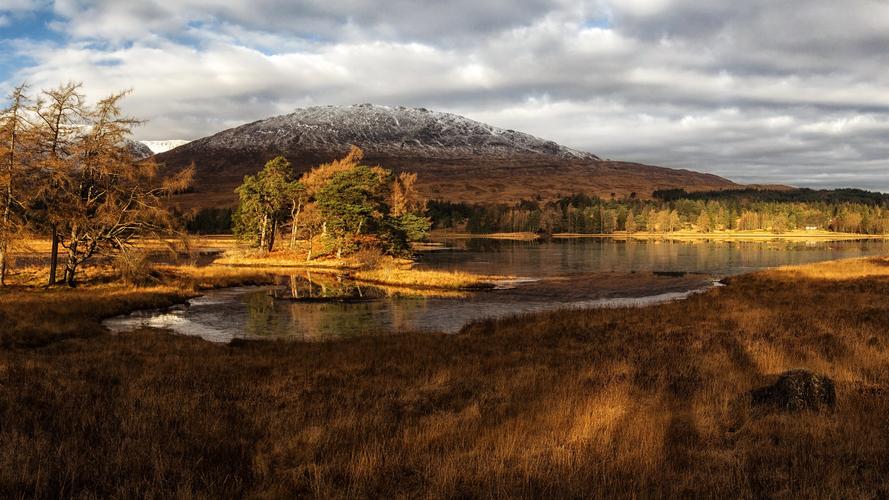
x=596, y=403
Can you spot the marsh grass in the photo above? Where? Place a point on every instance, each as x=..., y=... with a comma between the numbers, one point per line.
x=643, y=402
x=422, y=278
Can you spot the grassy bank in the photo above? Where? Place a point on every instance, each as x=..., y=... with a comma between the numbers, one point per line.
x=416, y=278
x=623, y=402
x=33, y=315
x=384, y=270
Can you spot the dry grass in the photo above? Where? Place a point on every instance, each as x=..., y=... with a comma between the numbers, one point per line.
x=386, y=271
x=33, y=315
x=417, y=278
x=646, y=402
x=457, y=235
x=284, y=259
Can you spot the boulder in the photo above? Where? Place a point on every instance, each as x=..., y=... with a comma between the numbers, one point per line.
x=798, y=390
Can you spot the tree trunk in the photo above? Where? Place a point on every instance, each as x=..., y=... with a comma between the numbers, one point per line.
x=71, y=265
x=294, y=224
x=265, y=221
x=3, y=264
x=4, y=245
x=54, y=256
x=272, y=233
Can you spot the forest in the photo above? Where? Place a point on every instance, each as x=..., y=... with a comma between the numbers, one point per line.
x=846, y=211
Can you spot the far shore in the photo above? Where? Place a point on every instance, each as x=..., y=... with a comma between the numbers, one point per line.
x=819, y=235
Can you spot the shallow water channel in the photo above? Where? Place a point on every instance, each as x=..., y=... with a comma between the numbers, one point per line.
x=546, y=275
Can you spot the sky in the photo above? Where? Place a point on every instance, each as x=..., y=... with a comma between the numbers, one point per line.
x=760, y=91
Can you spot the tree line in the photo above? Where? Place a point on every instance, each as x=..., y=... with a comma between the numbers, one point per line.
x=68, y=172
x=675, y=210
x=338, y=208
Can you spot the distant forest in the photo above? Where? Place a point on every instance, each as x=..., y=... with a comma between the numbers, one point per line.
x=841, y=210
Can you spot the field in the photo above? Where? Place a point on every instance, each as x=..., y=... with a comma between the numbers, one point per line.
x=624, y=402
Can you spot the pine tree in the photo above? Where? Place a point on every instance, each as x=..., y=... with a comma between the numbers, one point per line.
x=265, y=200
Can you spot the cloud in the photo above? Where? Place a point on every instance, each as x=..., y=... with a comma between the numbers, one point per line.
x=790, y=92
x=21, y=5
x=336, y=20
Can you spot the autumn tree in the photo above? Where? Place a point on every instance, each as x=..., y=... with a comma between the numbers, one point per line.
x=61, y=113
x=630, y=224
x=105, y=197
x=299, y=198
x=13, y=158
x=407, y=210
x=704, y=223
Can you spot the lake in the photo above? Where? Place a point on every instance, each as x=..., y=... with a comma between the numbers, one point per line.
x=544, y=275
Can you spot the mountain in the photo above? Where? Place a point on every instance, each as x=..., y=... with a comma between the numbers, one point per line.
x=163, y=146
x=456, y=158
x=139, y=150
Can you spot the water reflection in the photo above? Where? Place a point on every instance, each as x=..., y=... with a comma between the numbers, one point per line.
x=563, y=256
x=557, y=274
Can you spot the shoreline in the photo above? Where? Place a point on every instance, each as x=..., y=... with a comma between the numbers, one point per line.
x=816, y=236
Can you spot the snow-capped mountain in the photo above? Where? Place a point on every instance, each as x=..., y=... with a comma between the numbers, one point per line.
x=383, y=130
x=456, y=158
x=164, y=146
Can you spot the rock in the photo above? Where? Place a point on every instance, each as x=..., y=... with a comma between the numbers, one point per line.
x=798, y=390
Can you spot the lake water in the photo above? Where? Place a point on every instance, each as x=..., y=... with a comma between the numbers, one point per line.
x=543, y=275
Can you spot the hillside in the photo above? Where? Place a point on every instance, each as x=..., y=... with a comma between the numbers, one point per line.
x=457, y=159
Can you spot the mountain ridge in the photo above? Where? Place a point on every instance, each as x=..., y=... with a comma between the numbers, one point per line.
x=456, y=158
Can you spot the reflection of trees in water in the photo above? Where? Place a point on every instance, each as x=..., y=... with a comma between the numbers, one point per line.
x=397, y=310
x=262, y=320
x=322, y=321
x=561, y=256
x=310, y=285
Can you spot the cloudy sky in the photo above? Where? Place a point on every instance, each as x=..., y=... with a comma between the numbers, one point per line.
x=787, y=91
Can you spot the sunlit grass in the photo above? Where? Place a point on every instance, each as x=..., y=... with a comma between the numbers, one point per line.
x=395, y=276
x=642, y=402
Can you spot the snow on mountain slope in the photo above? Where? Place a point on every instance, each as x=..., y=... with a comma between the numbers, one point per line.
x=383, y=130
x=164, y=146
x=139, y=150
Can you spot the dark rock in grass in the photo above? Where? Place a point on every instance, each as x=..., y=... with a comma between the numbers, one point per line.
x=798, y=390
